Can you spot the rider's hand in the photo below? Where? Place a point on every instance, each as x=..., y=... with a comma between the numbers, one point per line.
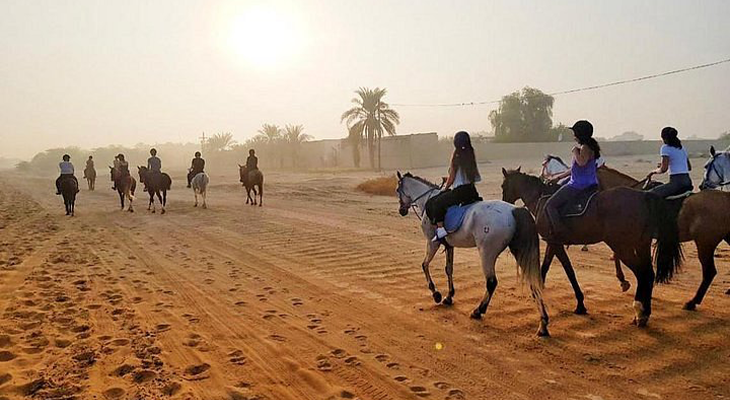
x=649, y=175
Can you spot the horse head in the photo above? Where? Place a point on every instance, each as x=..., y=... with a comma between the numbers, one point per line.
x=517, y=185
x=242, y=173
x=410, y=189
x=717, y=169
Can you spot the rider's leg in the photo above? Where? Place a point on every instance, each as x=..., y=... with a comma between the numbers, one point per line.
x=553, y=205
x=58, y=185
x=190, y=177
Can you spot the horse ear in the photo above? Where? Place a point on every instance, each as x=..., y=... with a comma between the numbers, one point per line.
x=504, y=172
x=399, y=175
x=712, y=151
x=518, y=168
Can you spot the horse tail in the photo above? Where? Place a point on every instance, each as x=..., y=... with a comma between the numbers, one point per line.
x=668, y=251
x=525, y=247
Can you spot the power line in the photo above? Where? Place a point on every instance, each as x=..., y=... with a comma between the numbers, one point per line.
x=569, y=91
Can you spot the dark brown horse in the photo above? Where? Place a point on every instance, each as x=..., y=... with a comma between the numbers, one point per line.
x=623, y=218
x=156, y=184
x=704, y=218
x=126, y=185
x=250, y=181
x=69, y=188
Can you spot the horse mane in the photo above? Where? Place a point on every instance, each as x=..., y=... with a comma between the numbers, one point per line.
x=549, y=157
x=422, y=180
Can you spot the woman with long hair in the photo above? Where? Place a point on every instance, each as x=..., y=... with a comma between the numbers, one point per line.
x=463, y=174
x=582, y=172
x=674, y=159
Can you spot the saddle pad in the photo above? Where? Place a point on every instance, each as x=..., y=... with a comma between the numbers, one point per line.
x=578, y=206
x=455, y=217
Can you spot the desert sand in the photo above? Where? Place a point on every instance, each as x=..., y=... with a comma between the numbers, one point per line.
x=318, y=295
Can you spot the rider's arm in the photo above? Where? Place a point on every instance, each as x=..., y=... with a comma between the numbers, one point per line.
x=451, y=178
x=689, y=165
x=662, y=168
x=583, y=155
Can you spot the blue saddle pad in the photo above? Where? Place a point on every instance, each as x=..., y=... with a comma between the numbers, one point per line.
x=455, y=217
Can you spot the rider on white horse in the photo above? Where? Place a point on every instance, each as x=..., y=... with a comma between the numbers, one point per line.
x=463, y=174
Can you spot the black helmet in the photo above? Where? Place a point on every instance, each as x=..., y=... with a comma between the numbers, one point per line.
x=582, y=128
x=252, y=152
x=66, y=157
x=153, y=151
x=197, y=154
x=462, y=141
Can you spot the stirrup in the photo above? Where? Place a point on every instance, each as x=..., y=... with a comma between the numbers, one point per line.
x=441, y=234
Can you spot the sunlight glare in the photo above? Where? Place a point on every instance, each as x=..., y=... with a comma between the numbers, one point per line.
x=265, y=37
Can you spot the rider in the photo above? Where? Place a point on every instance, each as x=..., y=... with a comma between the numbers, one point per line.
x=463, y=174
x=67, y=171
x=583, y=175
x=252, y=162
x=121, y=167
x=154, y=164
x=196, y=167
x=674, y=159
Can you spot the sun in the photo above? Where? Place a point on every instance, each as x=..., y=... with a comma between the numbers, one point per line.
x=264, y=37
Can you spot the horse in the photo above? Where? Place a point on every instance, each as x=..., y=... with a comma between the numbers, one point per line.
x=200, y=187
x=126, y=185
x=251, y=180
x=490, y=226
x=156, y=184
x=623, y=218
x=717, y=171
x=90, y=176
x=69, y=188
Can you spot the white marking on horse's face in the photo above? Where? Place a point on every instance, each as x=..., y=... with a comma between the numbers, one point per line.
x=717, y=170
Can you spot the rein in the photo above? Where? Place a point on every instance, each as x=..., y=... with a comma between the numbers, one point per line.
x=714, y=169
x=413, y=201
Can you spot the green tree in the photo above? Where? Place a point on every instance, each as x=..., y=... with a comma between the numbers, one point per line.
x=270, y=132
x=369, y=118
x=524, y=116
x=271, y=138
x=294, y=136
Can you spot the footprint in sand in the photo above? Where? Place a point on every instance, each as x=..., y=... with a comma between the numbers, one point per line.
x=240, y=303
x=262, y=297
x=382, y=357
x=393, y=365
x=114, y=393
x=420, y=391
x=296, y=302
x=144, y=375
x=6, y=356
x=455, y=394
x=352, y=361
x=197, y=372
x=339, y=353
x=277, y=338
x=323, y=363
x=237, y=357
x=401, y=379
x=163, y=327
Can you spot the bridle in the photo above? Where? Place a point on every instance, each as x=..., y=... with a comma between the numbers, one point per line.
x=413, y=201
x=713, y=168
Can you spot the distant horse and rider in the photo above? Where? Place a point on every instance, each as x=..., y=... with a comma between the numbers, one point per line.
x=156, y=182
x=90, y=173
x=124, y=182
x=67, y=185
x=251, y=178
x=198, y=179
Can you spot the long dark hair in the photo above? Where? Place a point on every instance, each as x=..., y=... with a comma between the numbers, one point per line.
x=669, y=136
x=588, y=140
x=463, y=157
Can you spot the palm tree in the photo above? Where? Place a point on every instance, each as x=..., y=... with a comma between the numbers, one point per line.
x=271, y=136
x=369, y=118
x=220, y=141
x=294, y=136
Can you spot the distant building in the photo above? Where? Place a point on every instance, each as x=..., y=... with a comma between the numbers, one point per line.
x=629, y=136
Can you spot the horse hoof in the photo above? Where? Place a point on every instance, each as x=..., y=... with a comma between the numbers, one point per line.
x=543, y=332
x=205, y=207
x=448, y=301
x=642, y=322
x=728, y=292
x=437, y=297
x=689, y=306
x=476, y=314
x=154, y=211
x=195, y=205
x=625, y=285
x=163, y=211
x=581, y=310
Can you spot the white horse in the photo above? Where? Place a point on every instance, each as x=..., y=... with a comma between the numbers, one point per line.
x=490, y=226
x=717, y=171
x=200, y=187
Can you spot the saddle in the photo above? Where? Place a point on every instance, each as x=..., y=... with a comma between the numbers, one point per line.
x=580, y=204
x=455, y=216
x=674, y=203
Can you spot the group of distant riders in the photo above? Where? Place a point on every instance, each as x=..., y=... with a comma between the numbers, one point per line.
x=460, y=188
x=154, y=164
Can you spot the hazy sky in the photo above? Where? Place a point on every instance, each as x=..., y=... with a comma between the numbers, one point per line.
x=93, y=73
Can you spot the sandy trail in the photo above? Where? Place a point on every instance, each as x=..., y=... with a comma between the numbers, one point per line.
x=317, y=295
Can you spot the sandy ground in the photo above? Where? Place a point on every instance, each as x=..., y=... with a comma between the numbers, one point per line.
x=317, y=295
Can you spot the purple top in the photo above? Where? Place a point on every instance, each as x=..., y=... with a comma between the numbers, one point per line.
x=583, y=177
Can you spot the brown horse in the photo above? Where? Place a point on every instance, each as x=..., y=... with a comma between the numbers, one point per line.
x=623, y=218
x=251, y=180
x=704, y=218
x=126, y=185
x=156, y=184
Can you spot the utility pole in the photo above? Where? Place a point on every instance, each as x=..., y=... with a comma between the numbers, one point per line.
x=202, y=143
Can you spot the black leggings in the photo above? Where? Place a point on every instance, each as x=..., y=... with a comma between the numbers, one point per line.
x=678, y=184
x=436, y=206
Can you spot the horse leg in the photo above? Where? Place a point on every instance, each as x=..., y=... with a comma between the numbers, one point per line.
x=706, y=254
x=431, y=248
x=163, y=199
x=129, y=198
x=205, y=196
x=488, y=260
x=196, y=197
x=248, y=194
x=449, y=300
x=255, y=193
x=548, y=260
x=261, y=195
x=638, y=259
x=625, y=285
x=580, y=308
